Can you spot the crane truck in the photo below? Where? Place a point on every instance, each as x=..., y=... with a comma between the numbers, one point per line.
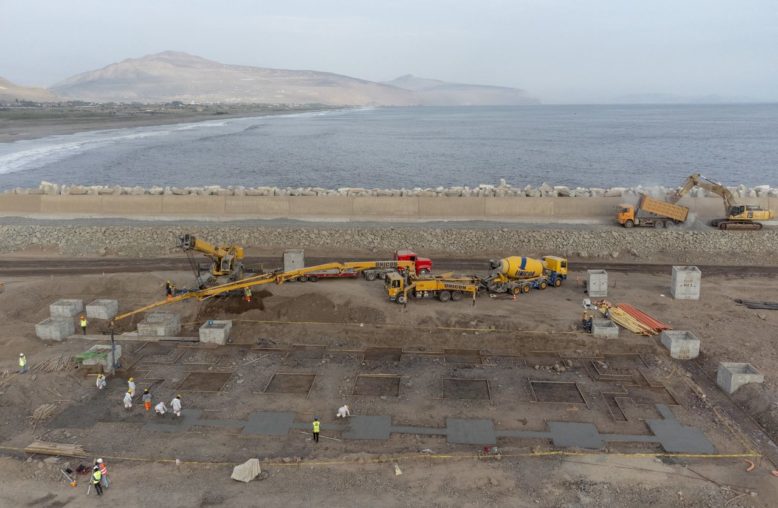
x=651, y=212
x=226, y=261
x=520, y=274
x=402, y=287
x=737, y=216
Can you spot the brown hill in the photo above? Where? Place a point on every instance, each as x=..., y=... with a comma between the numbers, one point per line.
x=175, y=76
x=11, y=92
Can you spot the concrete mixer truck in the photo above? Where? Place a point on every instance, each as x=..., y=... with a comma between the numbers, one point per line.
x=519, y=274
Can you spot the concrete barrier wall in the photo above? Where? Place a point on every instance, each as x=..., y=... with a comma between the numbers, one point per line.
x=336, y=207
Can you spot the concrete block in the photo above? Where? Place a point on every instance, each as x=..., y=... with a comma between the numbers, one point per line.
x=682, y=344
x=686, y=283
x=66, y=308
x=294, y=259
x=102, y=309
x=55, y=328
x=605, y=328
x=160, y=324
x=104, y=358
x=215, y=332
x=733, y=375
x=597, y=283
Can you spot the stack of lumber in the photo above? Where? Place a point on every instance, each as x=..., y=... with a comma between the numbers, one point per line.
x=62, y=362
x=621, y=318
x=644, y=318
x=59, y=449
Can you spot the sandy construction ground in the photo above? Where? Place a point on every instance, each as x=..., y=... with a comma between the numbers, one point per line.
x=499, y=348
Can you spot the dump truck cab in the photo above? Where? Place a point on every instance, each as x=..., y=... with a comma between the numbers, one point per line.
x=555, y=264
x=626, y=213
x=423, y=265
x=395, y=285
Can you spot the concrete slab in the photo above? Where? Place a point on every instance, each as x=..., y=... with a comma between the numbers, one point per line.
x=269, y=423
x=102, y=309
x=576, y=435
x=55, y=328
x=682, y=344
x=597, y=283
x=605, y=328
x=368, y=427
x=677, y=438
x=215, y=332
x=294, y=259
x=66, y=307
x=160, y=324
x=733, y=375
x=686, y=283
x=465, y=431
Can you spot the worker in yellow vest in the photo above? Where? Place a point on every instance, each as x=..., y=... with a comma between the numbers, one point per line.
x=316, y=427
x=22, y=363
x=97, y=477
x=83, y=323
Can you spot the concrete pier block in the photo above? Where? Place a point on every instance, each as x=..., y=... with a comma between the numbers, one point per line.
x=103, y=357
x=682, y=344
x=102, y=309
x=605, y=328
x=215, y=332
x=55, y=328
x=733, y=375
x=66, y=308
x=597, y=283
x=160, y=324
x=294, y=259
x=686, y=283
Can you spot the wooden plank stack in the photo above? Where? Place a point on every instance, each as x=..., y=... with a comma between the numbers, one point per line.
x=57, y=449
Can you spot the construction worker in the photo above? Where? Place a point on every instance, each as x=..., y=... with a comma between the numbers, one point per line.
x=175, y=404
x=103, y=473
x=343, y=412
x=128, y=400
x=83, y=322
x=22, y=363
x=131, y=386
x=146, y=399
x=160, y=408
x=247, y=294
x=100, y=381
x=170, y=290
x=97, y=477
x=316, y=427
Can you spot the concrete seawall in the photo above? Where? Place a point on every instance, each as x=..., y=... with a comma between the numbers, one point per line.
x=341, y=208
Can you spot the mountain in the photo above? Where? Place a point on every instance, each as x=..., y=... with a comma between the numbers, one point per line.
x=667, y=98
x=174, y=76
x=433, y=92
x=10, y=92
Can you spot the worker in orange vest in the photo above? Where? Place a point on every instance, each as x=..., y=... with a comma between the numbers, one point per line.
x=146, y=399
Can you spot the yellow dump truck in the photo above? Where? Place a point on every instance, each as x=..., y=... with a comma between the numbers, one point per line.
x=651, y=212
x=400, y=288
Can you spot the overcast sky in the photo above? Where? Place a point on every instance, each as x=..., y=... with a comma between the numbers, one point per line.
x=557, y=50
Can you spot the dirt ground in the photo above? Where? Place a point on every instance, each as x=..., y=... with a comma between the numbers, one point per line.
x=325, y=330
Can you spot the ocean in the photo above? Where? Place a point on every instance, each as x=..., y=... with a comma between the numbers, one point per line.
x=587, y=146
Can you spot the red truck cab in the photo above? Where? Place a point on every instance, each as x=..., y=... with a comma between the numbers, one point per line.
x=423, y=265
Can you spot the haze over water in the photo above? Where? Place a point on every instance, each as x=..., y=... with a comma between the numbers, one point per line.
x=588, y=146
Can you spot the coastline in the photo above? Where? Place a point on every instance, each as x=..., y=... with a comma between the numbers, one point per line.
x=18, y=124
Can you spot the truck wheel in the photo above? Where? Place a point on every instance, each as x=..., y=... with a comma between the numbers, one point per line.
x=515, y=291
x=402, y=299
x=525, y=289
x=543, y=285
x=557, y=283
x=370, y=275
x=313, y=278
x=629, y=223
x=456, y=296
x=303, y=278
x=444, y=296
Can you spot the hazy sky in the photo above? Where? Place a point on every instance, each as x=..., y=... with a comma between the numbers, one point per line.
x=558, y=50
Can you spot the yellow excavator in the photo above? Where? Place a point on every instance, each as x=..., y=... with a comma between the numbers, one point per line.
x=738, y=216
x=226, y=261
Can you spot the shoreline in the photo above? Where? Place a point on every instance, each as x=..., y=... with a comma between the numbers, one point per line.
x=23, y=125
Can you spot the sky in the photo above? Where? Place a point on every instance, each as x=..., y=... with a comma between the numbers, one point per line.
x=561, y=51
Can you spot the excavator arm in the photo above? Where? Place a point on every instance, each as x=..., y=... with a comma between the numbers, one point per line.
x=697, y=180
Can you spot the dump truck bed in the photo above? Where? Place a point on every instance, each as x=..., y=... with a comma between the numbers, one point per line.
x=663, y=208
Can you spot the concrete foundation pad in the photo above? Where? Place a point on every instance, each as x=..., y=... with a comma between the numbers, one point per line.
x=215, y=332
x=733, y=375
x=686, y=283
x=66, y=308
x=597, y=283
x=102, y=309
x=160, y=324
x=466, y=431
x=368, y=427
x=682, y=344
x=55, y=328
x=103, y=356
x=605, y=328
x=576, y=435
